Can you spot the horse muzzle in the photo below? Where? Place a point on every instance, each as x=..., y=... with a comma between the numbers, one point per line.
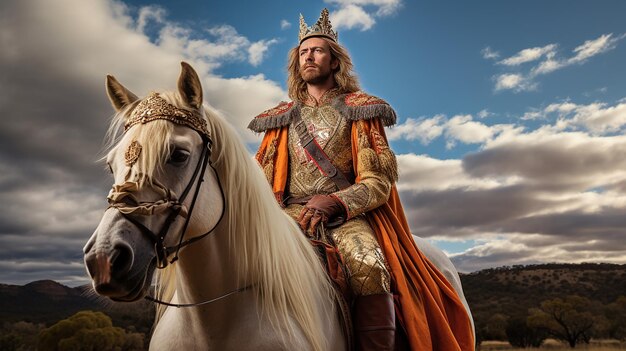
x=117, y=269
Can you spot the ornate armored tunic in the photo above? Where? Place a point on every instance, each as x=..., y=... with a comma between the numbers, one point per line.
x=332, y=133
x=328, y=124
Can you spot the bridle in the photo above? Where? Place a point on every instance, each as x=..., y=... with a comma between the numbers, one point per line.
x=176, y=207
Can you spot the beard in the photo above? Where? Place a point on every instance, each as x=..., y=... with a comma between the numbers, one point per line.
x=314, y=76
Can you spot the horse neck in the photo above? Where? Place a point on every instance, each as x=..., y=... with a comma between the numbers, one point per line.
x=205, y=271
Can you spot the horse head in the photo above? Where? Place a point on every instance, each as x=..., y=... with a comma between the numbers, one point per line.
x=156, y=208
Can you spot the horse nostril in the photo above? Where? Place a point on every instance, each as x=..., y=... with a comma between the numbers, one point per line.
x=121, y=259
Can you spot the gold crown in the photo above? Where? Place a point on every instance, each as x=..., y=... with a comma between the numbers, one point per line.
x=155, y=107
x=322, y=28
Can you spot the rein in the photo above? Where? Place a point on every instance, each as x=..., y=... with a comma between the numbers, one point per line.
x=179, y=305
x=162, y=251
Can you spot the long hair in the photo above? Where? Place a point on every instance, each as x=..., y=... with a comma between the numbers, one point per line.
x=293, y=290
x=346, y=79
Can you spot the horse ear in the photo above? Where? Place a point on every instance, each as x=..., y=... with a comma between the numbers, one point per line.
x=189, y=86
x=118, y=94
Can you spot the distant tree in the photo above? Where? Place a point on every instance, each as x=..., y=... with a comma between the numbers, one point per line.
x=616, y=315
x=520, y=334
x=495, y=328
x=87, y=330
x=569, y=319
x=19, y=336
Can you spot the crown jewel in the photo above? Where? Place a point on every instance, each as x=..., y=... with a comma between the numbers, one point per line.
x=155, y=107
x=322, y=28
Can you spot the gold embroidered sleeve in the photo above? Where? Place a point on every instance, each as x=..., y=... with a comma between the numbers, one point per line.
x=377, y=170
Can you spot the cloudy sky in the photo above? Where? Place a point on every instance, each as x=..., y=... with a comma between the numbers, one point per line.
x=509, y=139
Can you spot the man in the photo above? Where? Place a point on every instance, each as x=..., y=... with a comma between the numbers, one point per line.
x=327, y=158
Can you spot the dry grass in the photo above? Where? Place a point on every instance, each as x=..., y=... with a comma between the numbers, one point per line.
x=554, y=345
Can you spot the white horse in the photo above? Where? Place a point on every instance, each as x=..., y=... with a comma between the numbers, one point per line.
x=244, y=276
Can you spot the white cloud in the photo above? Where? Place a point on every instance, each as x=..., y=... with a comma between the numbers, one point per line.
x=284, y=24
x=358, y=14
x=582, y=53
x=351, y=16
x=484, y=114
x=258, y=49
x=149, y=13
x=531, y=115
x=547, y=66
x=528, y=55
x=423, y=129
x=459, y=128
x=509, y=81
x=226, y=44
x=383, y=7
x=423, y=173
x=525, y=82
x=240, y=99
x=594, y=47
x=597, y=118
x=520, y=248
x=561, y=107
x=515, y=82
x=464, y=129
x=489, y=54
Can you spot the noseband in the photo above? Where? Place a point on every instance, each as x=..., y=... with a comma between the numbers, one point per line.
x=169, y=202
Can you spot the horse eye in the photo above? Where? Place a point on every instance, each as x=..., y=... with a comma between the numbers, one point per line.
x=178, y=157
x=109, y=168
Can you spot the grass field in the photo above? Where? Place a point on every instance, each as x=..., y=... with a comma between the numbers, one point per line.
x=553, y=345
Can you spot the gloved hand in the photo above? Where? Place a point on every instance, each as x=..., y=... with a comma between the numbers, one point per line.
x=318, y=210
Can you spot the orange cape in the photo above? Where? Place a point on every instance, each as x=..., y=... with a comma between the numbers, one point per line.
x=428, y=308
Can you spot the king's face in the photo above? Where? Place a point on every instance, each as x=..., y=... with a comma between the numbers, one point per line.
x=316, y=63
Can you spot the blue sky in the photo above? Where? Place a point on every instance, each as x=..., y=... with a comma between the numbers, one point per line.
x=509, y=138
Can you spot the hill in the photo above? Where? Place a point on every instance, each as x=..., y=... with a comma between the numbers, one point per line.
x=513, y=290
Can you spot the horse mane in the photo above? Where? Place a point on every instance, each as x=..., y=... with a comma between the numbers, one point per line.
x=271, y=252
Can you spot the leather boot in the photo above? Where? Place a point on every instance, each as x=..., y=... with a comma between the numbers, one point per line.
x=374, y=322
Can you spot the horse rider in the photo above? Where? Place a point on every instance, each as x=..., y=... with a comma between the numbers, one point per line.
x=327, y=159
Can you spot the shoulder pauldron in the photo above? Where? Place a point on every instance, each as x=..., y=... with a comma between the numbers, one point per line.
x=359, y=105
x=276, y=117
